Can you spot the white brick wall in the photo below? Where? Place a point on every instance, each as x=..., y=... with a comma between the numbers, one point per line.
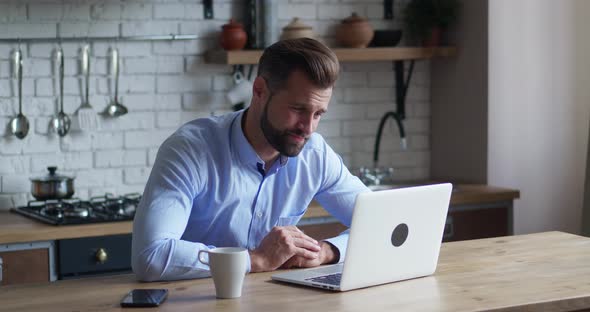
x=165, y=84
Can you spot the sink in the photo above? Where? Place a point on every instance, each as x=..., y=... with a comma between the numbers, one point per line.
x=382, y=187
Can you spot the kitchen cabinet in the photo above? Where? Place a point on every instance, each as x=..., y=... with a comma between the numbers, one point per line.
x=87, y=256
x=38, y=262
x=478, y=221
x=27, y=263
x=462, y=223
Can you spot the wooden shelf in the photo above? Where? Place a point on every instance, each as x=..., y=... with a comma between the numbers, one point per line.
x=244, y=57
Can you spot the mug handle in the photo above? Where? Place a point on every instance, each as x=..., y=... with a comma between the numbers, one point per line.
x=199, y=256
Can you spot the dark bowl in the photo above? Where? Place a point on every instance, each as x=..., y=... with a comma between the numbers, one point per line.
x=386, y=38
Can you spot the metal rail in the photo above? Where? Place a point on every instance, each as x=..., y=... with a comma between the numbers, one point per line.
x=170, y=37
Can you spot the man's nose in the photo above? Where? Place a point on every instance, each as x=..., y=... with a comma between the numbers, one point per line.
x=306, y=125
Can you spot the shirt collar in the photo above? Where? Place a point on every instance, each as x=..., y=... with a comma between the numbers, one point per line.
x=245, y=152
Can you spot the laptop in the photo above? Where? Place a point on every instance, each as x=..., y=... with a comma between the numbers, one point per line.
x=394, y=235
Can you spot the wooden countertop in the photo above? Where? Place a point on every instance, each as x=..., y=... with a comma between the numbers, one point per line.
x=538, y=272
x=465, y=194
x=18, y=229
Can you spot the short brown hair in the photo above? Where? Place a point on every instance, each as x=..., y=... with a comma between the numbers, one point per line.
x=317, y=61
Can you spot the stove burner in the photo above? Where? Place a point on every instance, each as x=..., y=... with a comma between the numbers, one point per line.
x=52, y=211
x=124, y=206
x=105, y=208
x=66, y=208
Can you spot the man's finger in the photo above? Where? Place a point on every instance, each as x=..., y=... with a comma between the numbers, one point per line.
x=303, y=242
x=295, y=233
x=305, y=253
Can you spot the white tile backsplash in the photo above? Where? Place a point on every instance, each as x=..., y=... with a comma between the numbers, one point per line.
x=165, y=84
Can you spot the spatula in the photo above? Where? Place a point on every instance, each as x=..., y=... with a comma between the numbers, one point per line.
x=87, y=116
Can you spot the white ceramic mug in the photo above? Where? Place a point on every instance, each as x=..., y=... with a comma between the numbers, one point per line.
x=228, y=268
x=241, y=92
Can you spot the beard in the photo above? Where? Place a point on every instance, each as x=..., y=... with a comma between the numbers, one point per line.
x=280, y=139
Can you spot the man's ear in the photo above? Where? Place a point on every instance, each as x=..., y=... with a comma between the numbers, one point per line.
x=260, y=89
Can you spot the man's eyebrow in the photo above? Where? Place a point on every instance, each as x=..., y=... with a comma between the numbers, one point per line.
x=306, y=107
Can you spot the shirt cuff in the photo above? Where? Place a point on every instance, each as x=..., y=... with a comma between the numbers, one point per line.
x=340, y=243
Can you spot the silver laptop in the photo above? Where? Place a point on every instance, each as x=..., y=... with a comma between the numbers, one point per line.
x=394, y=235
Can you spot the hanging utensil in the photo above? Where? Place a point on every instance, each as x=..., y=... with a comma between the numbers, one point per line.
x=115, y=109
x=61, y=123
x=19, y=125
x=87, y=117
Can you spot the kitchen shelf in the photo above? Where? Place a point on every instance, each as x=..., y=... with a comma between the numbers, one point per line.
x=245, y=57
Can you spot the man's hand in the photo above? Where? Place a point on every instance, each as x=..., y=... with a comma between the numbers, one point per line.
x=328, y=254
x=280, y=245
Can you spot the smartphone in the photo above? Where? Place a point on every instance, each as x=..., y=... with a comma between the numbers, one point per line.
x=144, y=298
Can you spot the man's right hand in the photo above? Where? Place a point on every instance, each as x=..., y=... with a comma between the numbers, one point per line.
x=282, y=243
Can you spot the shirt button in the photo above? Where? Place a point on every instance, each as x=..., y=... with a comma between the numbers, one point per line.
x=259, y=214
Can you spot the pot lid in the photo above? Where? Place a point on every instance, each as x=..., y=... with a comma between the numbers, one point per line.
x=354, y=18
x=231, y=25
x=296, y=24
x=52, y=176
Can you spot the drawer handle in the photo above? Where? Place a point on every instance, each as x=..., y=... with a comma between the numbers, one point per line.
x=101, y=255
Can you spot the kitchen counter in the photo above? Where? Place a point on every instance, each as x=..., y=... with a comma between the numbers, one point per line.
x=18, y=229
x=537, y=272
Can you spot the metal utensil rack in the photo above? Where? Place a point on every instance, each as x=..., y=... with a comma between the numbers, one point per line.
x=170, y=37
x=88, y=39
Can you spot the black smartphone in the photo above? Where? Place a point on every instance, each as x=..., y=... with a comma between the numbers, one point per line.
x=144, y=298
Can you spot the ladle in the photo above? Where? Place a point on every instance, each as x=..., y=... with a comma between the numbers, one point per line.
x=115, y=109
x=19, y=125
x=61, y=123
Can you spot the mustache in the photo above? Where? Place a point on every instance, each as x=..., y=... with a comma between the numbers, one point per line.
x=299, y=133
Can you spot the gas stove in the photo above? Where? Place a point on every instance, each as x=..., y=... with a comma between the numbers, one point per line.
x=107, y=208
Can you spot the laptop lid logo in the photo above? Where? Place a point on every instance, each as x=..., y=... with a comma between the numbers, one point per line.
x=399, y=235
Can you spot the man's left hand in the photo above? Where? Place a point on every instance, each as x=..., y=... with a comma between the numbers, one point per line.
x=328, y=254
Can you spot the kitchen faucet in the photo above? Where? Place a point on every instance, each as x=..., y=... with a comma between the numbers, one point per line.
x=398, y=119
x=399, y=115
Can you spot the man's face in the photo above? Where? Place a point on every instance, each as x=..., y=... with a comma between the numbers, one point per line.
x=292, y=114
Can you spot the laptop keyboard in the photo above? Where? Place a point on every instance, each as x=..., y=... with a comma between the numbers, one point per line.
x=332, y=279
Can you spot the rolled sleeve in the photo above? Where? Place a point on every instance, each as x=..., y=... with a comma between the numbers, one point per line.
x=340, y=242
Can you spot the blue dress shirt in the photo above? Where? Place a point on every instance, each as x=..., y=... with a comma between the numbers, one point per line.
x=208, y=188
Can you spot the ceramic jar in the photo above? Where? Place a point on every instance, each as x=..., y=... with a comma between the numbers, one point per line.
x=233, y=36
x=297, y=29
x=354, y=32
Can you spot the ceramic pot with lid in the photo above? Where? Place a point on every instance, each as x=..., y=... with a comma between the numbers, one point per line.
x=233, y=36
x=354, y=32
x=297, y=29
x=52, y=186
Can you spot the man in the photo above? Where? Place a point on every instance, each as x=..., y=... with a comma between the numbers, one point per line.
x=246, y=178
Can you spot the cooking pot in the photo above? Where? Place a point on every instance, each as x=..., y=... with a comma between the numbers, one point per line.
x=52, y=186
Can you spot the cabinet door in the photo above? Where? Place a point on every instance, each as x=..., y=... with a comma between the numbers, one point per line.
x=25, y=266
x=94, y=255
x=476, y=223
